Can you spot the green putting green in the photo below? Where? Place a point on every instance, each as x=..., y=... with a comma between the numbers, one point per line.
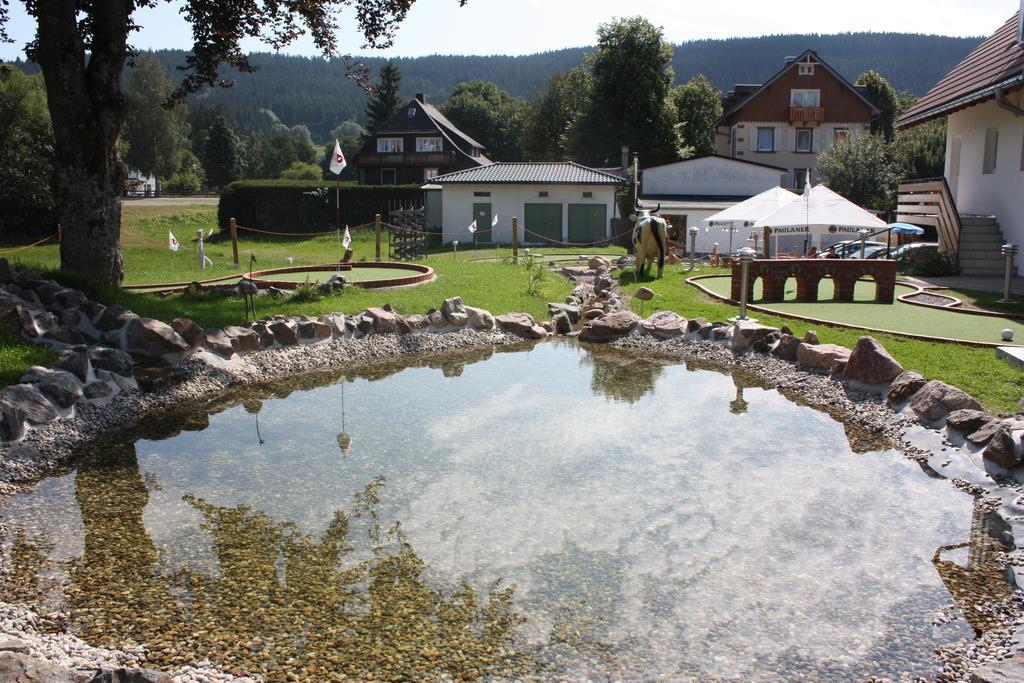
x=865, y=312
x=354, y=275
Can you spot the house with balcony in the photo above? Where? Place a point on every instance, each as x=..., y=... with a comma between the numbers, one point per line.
x=416, y=144
x=978, y=204
x=792, y=117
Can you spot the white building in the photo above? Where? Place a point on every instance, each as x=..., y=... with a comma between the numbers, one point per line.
x=553, y=202
x=983, y=100
x=690, y=191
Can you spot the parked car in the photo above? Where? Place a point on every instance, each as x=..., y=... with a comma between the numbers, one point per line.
x=910, y=251
x=851, y=249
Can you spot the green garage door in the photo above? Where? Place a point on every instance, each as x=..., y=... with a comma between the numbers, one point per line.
x=543, y=221
x=482, y=216
x=587, y=222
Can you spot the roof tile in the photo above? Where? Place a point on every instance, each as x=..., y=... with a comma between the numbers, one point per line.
x=554, y=173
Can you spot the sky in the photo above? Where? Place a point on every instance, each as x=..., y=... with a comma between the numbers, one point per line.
x=519, y=27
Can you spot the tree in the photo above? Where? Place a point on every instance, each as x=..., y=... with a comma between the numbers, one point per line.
x=223, y=164
x=919, y=152
x=81, y=48
x=551, y=126
x=349, y=147
x=386, y=99
x=883, y=96
x=860, y=169
x=631, y=104
x=301, y=170
x=491, y=116
x=699, y=104
x=26, y=156
x=157, y=136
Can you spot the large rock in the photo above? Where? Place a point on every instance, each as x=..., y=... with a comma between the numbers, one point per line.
x=61, y=387
x=36, y=408
x=521, y=324
x=154, y=339
x=266, y=337
x=284, y=333
x=113, y=317
x=75, y=362
x=967, y=421
x=664, y=325
x=870, y=363
x=218, y=342
x=61, y=335
x=479, y=319
x=383, y=321
x=1003, y=449
x=112, y=360
x=19, y=668
x=12, y=422
x=610, y=326
x=821, y=356
x=454, y=311
x=314, y=331
x=189, y=331
x=787, y=347
x=747, y=334
x=243, y=340
x=18, y=319
x=935, y=400
x=571, y=310
x=98, y=390
x=984, y=433
x=904, y=386
x=811, y=337
x=416, y=321
x=1007, y=671
x=561, y=323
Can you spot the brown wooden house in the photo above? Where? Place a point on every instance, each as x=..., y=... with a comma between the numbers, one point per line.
x=416, y=144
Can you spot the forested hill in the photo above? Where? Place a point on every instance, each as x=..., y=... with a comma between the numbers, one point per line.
x=315, y=92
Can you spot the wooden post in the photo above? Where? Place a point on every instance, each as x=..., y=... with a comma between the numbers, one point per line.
x=767, y=242
x=376, y=227
x=234, y=240
x=58, y=234
x=515, y=240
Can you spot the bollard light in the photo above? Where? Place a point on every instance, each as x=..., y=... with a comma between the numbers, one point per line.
x=863, y=232
x=746, y=255
x=455, y=248
x=1009, y=251
x=693, y=244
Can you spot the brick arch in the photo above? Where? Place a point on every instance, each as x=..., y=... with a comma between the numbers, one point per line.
x=809, y=273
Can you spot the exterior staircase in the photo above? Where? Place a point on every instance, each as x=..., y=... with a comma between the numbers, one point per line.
x=980, y=242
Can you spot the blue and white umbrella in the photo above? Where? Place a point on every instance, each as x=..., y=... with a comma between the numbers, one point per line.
x=905, y=229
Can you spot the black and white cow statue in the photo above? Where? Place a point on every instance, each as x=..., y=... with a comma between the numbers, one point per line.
x=650, y=239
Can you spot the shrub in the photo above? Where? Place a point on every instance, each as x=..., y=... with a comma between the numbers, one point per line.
x=300, y=170
x=307, y=206
x=183, y=182
x=927, y=262
x=306, y=292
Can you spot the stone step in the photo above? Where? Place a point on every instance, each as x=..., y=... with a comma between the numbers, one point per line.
x=981, y=230
x=981, y=240
x=972, y=262
x=982, y=248
x=970, y=220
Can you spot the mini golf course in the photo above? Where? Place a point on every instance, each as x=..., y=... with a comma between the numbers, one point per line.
x=863, y=311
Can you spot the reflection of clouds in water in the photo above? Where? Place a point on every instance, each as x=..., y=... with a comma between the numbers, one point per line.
x=682, y=534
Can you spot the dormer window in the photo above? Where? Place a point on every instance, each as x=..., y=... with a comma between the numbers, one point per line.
x=806, y=69
x=411, y=112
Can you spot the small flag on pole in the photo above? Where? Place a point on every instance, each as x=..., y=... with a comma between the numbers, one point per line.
x=172, y=241
x=472, y=226
x=338, y=162
x=347, y=239
x=494, y=222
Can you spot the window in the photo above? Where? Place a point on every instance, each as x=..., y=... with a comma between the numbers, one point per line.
x=542, y=193
x=840, y=134
x=389, y=145
x=806, y=69
x=429, y=145
x=805, y=98
x=991, y=150
x=481, y=194
x=429, y=173
x=588, y=195
x=804, y=140
x=799, y=178
x=412, y=112
x=765, y=139
x=474, y=152
x=388, y=176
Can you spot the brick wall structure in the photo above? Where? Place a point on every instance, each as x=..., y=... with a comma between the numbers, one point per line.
x=809, y=272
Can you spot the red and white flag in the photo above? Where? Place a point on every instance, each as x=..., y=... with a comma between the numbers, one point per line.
x=172, y=241
x=347, y=239
x=472, y=226
x=338, y=162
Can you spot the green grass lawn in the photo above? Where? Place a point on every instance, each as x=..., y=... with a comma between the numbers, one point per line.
x=985, y=301
x=16, y=356
x=996, y=384
x=865, y=312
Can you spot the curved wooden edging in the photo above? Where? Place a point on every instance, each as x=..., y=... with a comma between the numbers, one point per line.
x=425, y=273
x=819, y=321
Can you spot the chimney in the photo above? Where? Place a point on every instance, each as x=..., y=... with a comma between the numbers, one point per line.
x=625, y=158
x=423, y=98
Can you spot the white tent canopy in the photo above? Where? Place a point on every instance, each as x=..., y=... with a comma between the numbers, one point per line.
x=820, y=212
x=748, y=211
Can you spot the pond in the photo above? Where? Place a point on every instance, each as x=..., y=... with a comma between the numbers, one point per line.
x=557, y=512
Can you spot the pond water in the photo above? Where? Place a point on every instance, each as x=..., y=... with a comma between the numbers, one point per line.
x=557, y=512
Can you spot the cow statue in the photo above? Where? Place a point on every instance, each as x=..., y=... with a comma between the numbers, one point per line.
x=650, y=239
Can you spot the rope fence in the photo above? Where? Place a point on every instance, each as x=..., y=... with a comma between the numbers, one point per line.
x=28, y=246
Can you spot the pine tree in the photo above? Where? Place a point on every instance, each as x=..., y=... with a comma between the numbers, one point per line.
x=383, y=105
x=223, y=165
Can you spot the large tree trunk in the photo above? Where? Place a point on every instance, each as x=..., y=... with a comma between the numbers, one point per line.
x=87, y=110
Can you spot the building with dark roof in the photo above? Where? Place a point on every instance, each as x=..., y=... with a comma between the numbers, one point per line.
x=553, y=202
x=790, y=118
x=982, y=99
x=415, y=145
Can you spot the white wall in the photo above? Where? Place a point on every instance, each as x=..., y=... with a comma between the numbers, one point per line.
x=1000, y=193
x=709, y=176
x=508, y=200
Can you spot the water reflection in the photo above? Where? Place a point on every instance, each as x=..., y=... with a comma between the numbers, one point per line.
x=622, y=376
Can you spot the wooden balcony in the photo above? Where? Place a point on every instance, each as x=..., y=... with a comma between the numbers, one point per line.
x=406, y=159
x=806, y=114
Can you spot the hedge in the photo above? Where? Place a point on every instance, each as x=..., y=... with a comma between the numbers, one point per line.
x=307, y=205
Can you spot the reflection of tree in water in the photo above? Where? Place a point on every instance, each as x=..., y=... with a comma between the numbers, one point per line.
x=622, y=376
x=353, y=602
